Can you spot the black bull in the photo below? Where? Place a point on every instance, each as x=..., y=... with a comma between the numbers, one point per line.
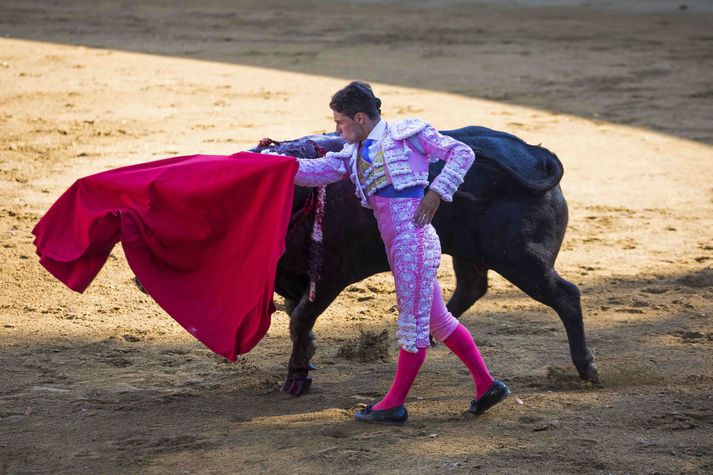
x=509, y=216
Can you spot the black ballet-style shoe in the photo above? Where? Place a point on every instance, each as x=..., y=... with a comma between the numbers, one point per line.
x=497, y=393
x=395, y=415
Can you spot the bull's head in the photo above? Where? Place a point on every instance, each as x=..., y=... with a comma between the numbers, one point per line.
x=310, y=146
x=294, y=261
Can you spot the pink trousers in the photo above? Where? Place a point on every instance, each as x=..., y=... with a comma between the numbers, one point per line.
x=414, y=254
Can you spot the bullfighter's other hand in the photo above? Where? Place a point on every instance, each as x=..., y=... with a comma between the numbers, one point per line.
x=426, y=209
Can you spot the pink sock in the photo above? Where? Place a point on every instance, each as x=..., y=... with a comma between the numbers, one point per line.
x=461, y=343
x=406, y=371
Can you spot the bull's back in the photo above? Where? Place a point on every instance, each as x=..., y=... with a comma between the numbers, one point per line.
x=506, y=163
x=510, y=200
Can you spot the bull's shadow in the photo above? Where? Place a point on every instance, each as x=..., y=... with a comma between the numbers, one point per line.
x=509, y=216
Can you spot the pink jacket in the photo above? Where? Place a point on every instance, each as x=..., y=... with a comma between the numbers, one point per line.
x=408, y=145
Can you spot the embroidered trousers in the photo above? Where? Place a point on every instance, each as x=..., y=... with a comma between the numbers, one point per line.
x=414, y=254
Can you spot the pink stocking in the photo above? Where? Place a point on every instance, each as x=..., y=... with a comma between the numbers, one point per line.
x=461, y=343
x=406, y=371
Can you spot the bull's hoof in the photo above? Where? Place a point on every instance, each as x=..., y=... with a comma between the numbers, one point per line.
x=590, y=373
x=296, y=386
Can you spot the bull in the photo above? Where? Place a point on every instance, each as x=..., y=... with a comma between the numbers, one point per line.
x=509, y=216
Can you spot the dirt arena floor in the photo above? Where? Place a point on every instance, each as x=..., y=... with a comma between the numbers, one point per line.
x=106, y=382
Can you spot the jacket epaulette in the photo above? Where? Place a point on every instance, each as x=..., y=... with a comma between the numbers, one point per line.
x=406, y=128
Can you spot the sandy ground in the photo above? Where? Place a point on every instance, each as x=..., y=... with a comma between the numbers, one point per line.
x=106, y=382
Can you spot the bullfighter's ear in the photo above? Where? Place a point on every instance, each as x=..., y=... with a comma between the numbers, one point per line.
x=360, y=118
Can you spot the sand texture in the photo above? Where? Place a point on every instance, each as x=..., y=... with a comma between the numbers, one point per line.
x=106, y=382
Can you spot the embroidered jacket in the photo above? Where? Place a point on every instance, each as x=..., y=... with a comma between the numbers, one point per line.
x=408, y=147
x=366, y=173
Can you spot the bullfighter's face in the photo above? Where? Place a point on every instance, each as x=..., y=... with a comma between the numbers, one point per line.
x=352, y=129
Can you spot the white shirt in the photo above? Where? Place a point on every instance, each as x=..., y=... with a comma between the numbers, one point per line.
x=377, y=135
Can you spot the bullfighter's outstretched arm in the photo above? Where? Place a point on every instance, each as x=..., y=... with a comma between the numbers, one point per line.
x=323, y=171
x=457, y=155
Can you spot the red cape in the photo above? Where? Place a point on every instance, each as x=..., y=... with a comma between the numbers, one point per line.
x=202, y=233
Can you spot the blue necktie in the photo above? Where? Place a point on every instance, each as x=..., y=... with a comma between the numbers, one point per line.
x=365, y=149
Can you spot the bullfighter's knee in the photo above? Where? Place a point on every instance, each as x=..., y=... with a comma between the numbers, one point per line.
x=442, y=322
x=443, y=328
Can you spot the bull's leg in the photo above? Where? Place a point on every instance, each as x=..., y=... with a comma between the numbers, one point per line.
x=471, y=284
x=546, y=286
x=290, y=305
x=302, y=319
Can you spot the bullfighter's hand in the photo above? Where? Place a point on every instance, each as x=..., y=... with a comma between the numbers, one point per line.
x=427, y=209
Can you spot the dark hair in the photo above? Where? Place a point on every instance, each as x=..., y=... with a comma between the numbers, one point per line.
x=356, y=97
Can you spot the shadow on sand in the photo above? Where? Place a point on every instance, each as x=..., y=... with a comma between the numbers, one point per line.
x=614, y=65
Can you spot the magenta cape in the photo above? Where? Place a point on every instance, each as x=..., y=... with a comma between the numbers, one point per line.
x=202, y=233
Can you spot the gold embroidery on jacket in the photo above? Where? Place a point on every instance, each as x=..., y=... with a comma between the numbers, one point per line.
x=372, y=176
